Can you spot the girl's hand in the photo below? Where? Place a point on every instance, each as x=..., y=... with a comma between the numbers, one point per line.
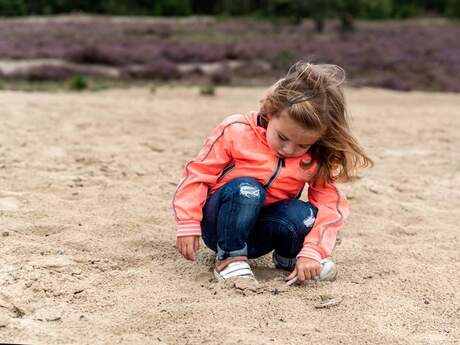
x=188, y=246
x=305, y=269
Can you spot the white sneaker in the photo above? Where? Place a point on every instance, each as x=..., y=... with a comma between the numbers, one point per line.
x=235, y=269
x=328, y=270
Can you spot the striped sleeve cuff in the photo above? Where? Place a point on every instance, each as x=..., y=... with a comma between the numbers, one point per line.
x=188, y=228
x=309, y=252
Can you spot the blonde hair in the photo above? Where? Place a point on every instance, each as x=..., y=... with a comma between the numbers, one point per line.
x=312, y=95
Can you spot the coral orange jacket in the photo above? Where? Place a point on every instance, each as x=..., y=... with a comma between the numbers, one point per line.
x=238, y=147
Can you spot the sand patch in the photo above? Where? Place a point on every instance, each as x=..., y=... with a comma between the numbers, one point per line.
x=85, y=199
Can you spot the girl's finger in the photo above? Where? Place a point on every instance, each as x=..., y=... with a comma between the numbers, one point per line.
x=183, y=250
x=301, y=275
x=196, y=244
x=190, y=252
x=292, y=275
x=318, y=271
x=185, y=253
x=179, y=245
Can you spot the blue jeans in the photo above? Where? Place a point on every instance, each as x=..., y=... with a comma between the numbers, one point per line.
x=236, y=222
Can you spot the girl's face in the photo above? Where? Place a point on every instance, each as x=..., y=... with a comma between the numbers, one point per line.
x=287, y=138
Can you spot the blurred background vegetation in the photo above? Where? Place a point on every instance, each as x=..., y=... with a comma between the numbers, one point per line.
x=293, y=9
x=395, y=44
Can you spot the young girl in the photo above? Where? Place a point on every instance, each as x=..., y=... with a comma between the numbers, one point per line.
x=241, y=193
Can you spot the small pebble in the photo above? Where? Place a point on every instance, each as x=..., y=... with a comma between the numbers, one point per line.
x=328, y=301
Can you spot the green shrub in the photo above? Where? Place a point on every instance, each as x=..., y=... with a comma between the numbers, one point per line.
x=172, y=8
x=78, y=83
x=453, y=8
x=378, y=9
x=208, y=90
x=11, y=8
x=406, y=8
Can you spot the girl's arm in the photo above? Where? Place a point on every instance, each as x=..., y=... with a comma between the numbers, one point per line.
x=199, y=176
x=332, y=211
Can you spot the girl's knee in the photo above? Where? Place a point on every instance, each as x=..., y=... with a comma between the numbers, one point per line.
x=246, y=188
x=298, y=214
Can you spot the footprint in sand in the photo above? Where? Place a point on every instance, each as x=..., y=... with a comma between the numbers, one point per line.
x=9, y=204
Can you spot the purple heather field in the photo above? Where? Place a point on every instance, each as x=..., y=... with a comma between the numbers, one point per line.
x=416, y=54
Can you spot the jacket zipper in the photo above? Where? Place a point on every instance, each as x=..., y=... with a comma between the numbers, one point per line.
x=280, y=163
x=225, y=171
x=299, y=194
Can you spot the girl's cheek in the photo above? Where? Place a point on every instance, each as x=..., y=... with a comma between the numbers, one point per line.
x=279, y=144
x=276, y=143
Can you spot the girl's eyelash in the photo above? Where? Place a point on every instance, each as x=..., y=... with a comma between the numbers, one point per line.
x=301, y=146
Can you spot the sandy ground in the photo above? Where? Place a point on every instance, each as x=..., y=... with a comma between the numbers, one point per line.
x=87, y=232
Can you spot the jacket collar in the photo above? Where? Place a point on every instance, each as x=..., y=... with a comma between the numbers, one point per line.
x=254, y=122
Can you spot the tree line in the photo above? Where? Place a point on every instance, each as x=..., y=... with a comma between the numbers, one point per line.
x=271, y=9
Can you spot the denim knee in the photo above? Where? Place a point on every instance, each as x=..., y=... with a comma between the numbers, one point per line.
x=299, y=215
x=246, y=189
x=295, y=219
